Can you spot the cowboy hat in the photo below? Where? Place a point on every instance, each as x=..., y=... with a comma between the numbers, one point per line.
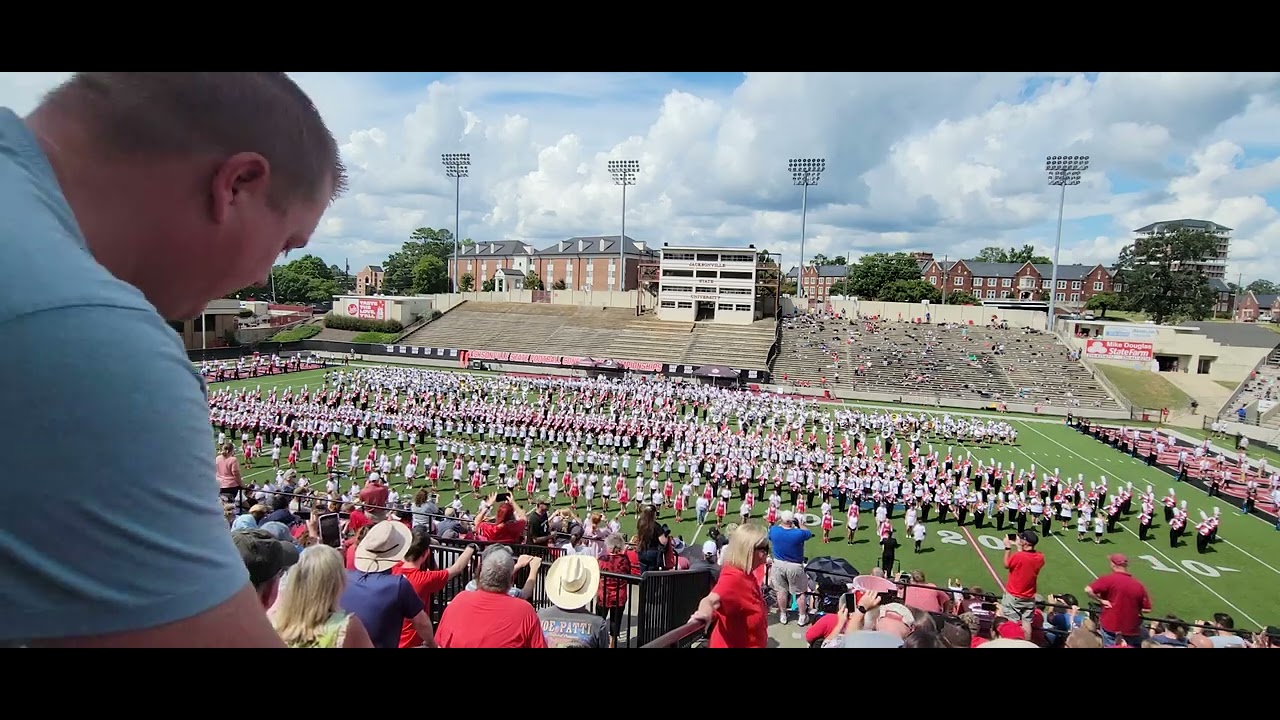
x=383, y=547
x=572, y=581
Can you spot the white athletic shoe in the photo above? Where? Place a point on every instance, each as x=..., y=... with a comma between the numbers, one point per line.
x=782, y=617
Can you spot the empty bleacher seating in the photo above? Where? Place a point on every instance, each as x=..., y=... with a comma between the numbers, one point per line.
x=944, y=361
x=590, y=331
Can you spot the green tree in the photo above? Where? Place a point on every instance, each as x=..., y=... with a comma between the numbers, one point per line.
x=1263, y=287
x=430, y=275
x=1160, y=277
x=1012, y=255
x=909, y=291
x=532, y=281
x=466, y=282
x=487, y=285
x=960, y=297
x=875, y=271
x=1102, y=302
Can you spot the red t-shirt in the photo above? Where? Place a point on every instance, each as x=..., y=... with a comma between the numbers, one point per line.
x=479, y=619
x=742, y=621
x=425, y=583
x=1024, y=569
x=375, y=495
x=507, y=533
x=819, y=629
x=1128, y=598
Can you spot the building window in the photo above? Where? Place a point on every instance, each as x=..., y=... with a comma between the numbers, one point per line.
x=1075, y=284
x=991, y=294
x=959, y=282
x=1046, y=284
x=977, y=282
x=1062, y=284
x=1097, y=287
x=668, y=303
x=1062, y=297
x=1006, y=282
x=677, y=256
x=742, y=308
x=1075, y=297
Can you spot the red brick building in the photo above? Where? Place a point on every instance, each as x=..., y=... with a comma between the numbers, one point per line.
x=583, y=263
x=818, y=280
x=1018, y=281
x=369, y=280
x=1251, y=306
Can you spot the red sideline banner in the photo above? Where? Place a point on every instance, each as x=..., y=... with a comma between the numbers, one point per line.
x=562, y=360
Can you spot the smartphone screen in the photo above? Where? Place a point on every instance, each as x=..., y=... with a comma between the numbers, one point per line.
x=330, y=533
x=502, y=497
x=1012, y=536
x=851, y=600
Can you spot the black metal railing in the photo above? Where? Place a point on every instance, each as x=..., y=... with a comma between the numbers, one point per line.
x=649, y=605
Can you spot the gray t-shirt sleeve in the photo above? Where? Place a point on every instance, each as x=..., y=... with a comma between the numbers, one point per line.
x=113, y=521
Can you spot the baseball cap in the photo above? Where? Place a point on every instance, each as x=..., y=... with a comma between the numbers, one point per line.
x=709, y=547
x=1118, y=559
x=264, y=556
x=787, y=516
x=1030, y=537
x=899, y=612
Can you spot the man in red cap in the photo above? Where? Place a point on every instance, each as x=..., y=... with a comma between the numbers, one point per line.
x=1123, y=601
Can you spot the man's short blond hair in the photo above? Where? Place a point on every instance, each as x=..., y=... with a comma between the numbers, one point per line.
x=152, y=114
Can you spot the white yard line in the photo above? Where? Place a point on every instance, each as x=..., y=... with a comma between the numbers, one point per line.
x=1055, y=537
x=1204, y=492
x=1152, y=546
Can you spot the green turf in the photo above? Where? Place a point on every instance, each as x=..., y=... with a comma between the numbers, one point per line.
x=1240, y=575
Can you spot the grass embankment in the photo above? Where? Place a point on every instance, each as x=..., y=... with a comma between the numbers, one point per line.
x=1145, y=389
x=304, y=332
x=375, y=337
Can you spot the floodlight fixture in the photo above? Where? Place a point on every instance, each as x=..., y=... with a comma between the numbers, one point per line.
x=804, y=172
x=624, y=173
x=456, y=166
x=1062, y=170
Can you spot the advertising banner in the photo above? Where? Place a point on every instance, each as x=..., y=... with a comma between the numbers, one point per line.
x=1118, y=350
x=367, y=309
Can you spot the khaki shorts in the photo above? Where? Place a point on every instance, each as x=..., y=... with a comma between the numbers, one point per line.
x=1017, y=609
x=788, y=577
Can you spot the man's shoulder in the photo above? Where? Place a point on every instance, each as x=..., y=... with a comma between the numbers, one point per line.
x=49, y=264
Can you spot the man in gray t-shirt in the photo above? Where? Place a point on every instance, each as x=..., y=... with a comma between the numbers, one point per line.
x=571, y=584
x=129, y=200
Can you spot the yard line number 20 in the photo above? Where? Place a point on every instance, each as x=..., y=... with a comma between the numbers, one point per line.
x=951, y=537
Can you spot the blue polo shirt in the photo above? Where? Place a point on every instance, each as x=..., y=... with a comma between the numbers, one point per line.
x=120, y=527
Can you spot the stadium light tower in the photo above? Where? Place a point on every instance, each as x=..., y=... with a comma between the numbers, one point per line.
x=456, y=166
x=624, y=174
x=805, y=172
x=1063, y=170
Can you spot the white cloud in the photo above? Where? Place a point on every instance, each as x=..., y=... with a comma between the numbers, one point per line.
x=947, y=162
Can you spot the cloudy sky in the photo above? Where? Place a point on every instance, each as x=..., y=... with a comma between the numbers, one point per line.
x=948, y=163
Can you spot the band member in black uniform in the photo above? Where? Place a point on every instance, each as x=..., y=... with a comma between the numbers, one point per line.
x=1144, y=525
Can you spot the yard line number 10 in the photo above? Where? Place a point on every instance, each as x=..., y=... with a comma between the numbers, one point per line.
x=991, y=542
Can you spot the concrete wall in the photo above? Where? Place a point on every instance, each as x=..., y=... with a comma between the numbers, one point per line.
x=400, y=309
x=935, y=401
x=1229, y=363
x=977, y=314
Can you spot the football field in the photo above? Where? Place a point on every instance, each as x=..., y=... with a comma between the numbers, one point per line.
x=1239, y=575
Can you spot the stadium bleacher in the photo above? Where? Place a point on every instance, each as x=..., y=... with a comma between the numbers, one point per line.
x=1263, y=387
x=970, y=362
x=591, y=331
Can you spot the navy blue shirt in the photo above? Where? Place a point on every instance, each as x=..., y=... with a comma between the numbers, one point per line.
x=383, y=602
x=788, y=543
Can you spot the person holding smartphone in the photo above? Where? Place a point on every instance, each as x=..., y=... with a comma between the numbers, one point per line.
x=1024, y=564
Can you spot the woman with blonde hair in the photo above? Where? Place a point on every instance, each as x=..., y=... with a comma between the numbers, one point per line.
x=735, y=608
x=307, y=614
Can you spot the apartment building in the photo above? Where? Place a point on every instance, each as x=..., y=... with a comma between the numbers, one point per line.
x=1214, y=265
x=583, y=263
x=1019, y=281
x=818, y=280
